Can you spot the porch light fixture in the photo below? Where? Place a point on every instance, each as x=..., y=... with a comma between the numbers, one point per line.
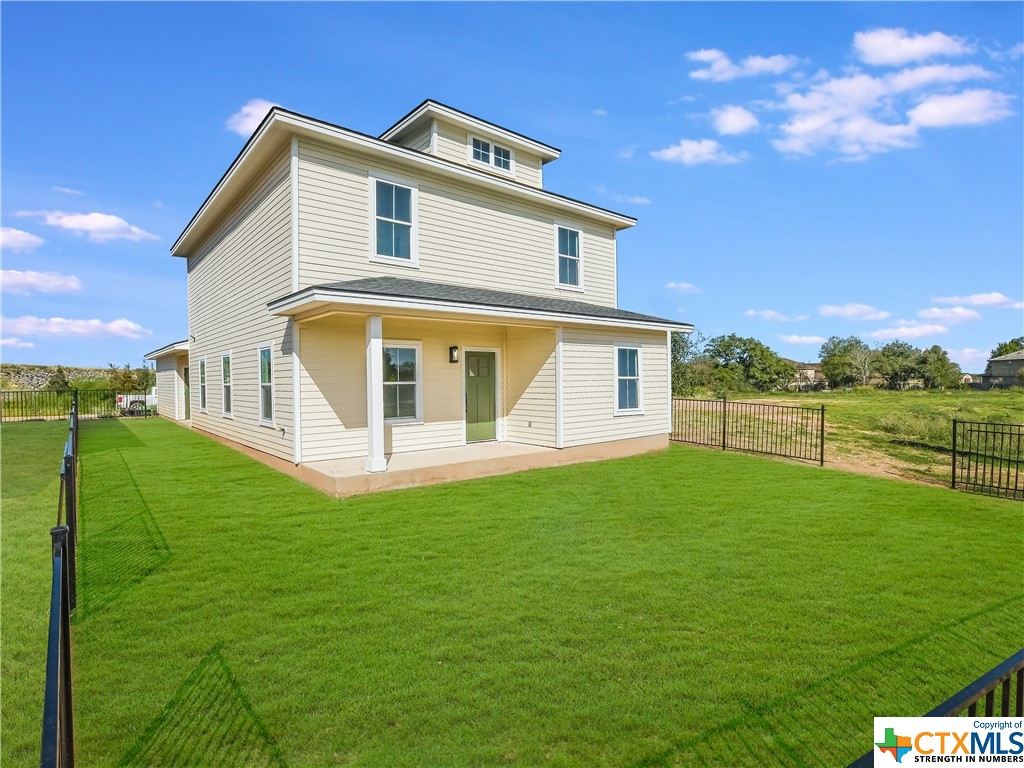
x=453, y=354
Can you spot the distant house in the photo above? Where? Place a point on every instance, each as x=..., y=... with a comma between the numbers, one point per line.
x=1004, y=371
x=351, y=298
x=808, y=376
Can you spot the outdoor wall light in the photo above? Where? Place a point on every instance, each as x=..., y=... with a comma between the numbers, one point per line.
x=453, y=354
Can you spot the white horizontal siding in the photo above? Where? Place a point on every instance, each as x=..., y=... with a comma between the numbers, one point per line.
x=588, y=386
x=531, y=381
x=243, y=265
x=467, y=236
x=167, y=388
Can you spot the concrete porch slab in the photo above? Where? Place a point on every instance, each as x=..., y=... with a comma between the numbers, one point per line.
x=347, y=477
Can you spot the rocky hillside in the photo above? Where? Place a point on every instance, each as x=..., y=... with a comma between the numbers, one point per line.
x=35, y=376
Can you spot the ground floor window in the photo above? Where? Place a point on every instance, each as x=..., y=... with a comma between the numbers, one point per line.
x=627, y=379
x=401, y=382
x=225, y=367
x=202, y=383
x=266, y=385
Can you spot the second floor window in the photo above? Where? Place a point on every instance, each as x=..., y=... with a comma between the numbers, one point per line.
x=486, y=153
x=482, y=151
x=568, y=257
x=394, y=211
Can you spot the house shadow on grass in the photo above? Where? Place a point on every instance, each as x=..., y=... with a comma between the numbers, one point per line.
x=830, y=722
x=208, y=722
x=120, y=543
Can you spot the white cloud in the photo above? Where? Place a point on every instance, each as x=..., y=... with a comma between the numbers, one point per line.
x=27, y=283
x=599, y=112
x=682, y=287
x=731, y=120
x=691, y=152
x=894, y=47
x=99, y=227
x=631, y=199
x=972, y=107
x=909, y=331
x=16, y=343
x=796, y=339
x=16, y=240
x=28, y=325
x=626, y=153
x=969, y=359
x=994, y=299
x=67, y=190
x=858, y=114
x=248, y=118
x=853, y=312
x=771, y=314
x=720, y=68
x=951, y=315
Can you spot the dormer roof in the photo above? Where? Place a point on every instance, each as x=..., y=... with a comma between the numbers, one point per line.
x=429, y=110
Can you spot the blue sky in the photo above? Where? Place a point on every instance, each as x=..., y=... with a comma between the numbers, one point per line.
x=799, y=170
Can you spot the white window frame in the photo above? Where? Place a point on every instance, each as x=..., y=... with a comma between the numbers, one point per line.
x=639, y=410
x=227, y=414
x=418, y=347
x=202, y=385
x=414, y=248
x=579, y=257
x=259, y=383
x=490, y=164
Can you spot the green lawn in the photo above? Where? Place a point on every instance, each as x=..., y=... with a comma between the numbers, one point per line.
x=890, y=430
x=688, y=607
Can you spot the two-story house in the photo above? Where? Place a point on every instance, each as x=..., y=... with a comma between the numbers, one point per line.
x=359, y=297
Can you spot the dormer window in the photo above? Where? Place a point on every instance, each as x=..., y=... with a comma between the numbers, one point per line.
x=487, y=153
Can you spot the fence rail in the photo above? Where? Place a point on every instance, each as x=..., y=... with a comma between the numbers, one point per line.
x=58, y=742
x=47, y=405
x=987, y=458
x=779, y=430
x=1007, y=678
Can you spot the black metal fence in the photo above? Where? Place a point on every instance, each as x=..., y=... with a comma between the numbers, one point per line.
x=987, y=458
x=43, y=405
x=779, y=430
x=58, y=746
x=1007, y=679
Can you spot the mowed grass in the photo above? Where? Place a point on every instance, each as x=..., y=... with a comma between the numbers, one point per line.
x=895, y=429
x=683, y=608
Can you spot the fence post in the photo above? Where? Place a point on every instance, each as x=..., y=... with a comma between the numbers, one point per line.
x=952, y=468
x=723, y=421
x=58, y=742
x=821, y=437
x=71, y=521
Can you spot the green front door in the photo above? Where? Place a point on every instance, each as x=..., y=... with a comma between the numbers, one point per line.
x=481, y=378
x=188, y=397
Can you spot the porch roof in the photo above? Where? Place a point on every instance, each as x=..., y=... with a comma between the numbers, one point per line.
x=395, y=293
x=174, y=348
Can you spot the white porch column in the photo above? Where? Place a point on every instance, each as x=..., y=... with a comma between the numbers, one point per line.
x=375, y=395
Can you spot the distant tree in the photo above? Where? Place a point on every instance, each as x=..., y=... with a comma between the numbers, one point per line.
x=691, y=371
x=847, y=361
x=898, y=363
x=743, y=363
x=126, y=379
x=937, y=370
x=1008, y=347
x=58, y=381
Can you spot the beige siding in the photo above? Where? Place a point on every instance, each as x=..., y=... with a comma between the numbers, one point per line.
x=588, y=386
x=168, y=388
x=531, y=386
x=453, y=144
x=333, y=378
x=420, y=141
x=467, y=236
x=242, y=266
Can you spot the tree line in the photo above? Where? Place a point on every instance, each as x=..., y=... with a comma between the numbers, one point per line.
x=120, y=379
x=736, y=364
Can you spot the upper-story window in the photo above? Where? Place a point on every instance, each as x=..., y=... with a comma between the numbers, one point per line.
x=492, y=155
x=394, y=226
x=569, y=258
